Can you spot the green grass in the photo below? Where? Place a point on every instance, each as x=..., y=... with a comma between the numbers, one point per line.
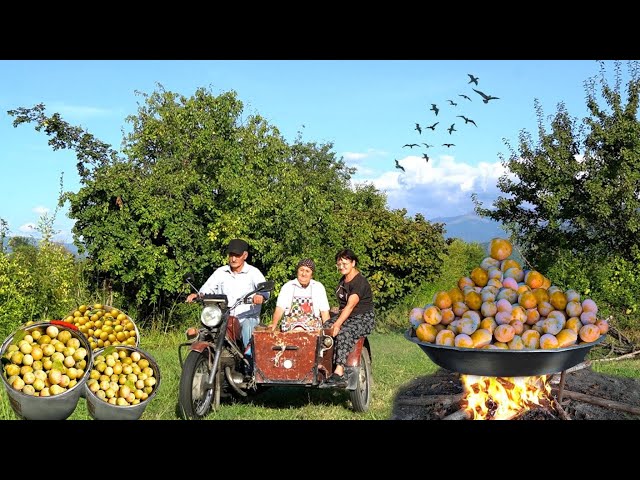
x=395, y=362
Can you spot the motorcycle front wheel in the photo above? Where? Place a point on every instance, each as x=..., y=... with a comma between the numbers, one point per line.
x=195, y=399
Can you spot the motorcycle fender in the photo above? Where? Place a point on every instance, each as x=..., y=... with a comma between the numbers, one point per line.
x=353, y=360
x=199, y=346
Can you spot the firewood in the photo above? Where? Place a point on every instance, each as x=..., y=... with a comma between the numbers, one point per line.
x=457, y=415
x=621, y=357
x=561, y=411
x=445, y=400
x=601, y=402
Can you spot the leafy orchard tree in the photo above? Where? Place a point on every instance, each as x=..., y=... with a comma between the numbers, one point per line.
x=195, y=173
x=577, y=189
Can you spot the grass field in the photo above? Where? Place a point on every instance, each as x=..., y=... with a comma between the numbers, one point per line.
x=395, y=362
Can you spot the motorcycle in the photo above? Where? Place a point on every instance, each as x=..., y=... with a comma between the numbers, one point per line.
x=216, y=366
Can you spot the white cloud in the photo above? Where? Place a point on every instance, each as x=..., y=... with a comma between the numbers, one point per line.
x=40, y=210
x=27, y=228
x=441, y=187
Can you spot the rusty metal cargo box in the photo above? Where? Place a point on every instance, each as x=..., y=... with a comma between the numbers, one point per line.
x=290, y=357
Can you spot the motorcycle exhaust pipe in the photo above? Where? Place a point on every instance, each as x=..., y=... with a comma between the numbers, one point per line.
x=233, y=381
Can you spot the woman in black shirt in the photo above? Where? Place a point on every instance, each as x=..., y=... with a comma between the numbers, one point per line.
x=356, y=317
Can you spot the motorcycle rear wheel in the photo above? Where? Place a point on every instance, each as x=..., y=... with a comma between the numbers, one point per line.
x=195, y=399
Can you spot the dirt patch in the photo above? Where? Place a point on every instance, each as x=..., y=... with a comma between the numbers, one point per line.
x=433, y=397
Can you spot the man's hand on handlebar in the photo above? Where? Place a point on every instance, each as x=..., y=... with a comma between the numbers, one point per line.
x=258, y=299
x=192, y=296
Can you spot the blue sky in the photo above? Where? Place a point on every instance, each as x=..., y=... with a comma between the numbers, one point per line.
x=367, y=108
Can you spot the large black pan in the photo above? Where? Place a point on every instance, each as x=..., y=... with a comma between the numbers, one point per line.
x=503, y=363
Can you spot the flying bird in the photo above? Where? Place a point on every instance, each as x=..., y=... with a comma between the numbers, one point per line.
x=426, y=145
x=448, y=145
x=425, y=156
x=399, y=166
x=485, y=98
x=451, y=102
x=473, y=79
x=464, y=96
x=433, y=127
x=418, y=128
x=466, y=120
x=451, y=129
x=410, y=145
x=434, y=108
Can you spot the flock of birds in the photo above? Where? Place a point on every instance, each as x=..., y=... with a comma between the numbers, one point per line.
x=435, y=109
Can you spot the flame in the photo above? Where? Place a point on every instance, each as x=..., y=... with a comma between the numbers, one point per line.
x=502, y=398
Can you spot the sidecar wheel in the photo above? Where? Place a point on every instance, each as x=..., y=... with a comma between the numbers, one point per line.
x=361, y=396
x=195, y=400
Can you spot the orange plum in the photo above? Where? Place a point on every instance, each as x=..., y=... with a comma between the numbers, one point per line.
x=514, y=272
x=574, y=324
x=531, y=339
x=504, y=305
x=527, y=300
x=516, y=343
x=588, y=318
x=533, y=315
x=503, y=318
x=541, y=295
x=603, y=325
x=489, y=324
x=566, y=338
x=459, y=308
x=426, y=333
x=574, y=308
x=447, y=316
x=481, y=337
x=432, y=315
x=473, y=300
x=488, y=309
x=518, y=313
x=534, y=279
x=465, y=282
x=463, y=340
x=518, y=326
x=456, y=295
x=501, y=345
x=548, y=341
x=589, y=305
x=509, y=263
x=488, y=263
x=558, y=299
x=504, y=333
x=500, y=248
x=589, y=333
x=445, y=337
x=442, y=300
x=479, y=276
x=510, y=283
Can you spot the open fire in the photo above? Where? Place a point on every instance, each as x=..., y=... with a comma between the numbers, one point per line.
x=503, y=398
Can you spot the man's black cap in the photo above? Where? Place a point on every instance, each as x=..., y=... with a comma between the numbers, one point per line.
x=237, y=246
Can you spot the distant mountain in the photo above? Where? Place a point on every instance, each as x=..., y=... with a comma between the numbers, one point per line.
x=69, y=246
x=471, y=228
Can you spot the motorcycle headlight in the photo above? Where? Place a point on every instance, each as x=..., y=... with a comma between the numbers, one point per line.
x=211, y=316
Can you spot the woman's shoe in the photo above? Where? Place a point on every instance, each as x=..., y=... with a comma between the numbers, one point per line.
x=335, y=381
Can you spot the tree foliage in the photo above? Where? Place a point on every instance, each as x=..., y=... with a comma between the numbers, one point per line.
x=195, y=172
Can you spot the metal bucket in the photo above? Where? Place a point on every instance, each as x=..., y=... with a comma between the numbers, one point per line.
x=108, y=308
x=101, y=410
x=55, y=407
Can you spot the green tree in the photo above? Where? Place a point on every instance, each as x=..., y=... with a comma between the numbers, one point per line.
x=578, y=188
